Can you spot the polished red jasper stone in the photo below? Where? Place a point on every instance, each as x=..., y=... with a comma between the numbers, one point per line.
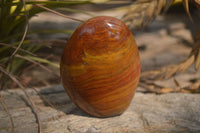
x=100, y=66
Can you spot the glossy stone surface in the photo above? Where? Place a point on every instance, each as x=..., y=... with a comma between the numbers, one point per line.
x=100, y=66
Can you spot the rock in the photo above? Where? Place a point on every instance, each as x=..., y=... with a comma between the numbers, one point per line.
x=148, y=113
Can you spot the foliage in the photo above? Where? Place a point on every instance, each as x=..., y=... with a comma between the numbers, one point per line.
x=140, y=14
x=14, y=17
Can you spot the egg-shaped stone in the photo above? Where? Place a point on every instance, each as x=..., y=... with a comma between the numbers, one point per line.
x=100, y=66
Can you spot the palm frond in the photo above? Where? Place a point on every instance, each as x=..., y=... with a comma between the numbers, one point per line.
x=168, y=4
x=186, y=6
x=196, y=51
x=142, y=13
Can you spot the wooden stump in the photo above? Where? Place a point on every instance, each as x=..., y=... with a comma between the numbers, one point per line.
x=147, y=113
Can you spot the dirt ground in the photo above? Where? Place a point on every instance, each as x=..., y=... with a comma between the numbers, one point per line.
x=167, y=40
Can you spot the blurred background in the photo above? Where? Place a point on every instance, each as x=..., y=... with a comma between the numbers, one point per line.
x=164, y=31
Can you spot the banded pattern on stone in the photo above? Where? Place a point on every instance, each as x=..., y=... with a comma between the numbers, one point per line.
x=100, y=66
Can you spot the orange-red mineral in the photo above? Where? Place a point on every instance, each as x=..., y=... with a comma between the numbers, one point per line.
x=100, y=66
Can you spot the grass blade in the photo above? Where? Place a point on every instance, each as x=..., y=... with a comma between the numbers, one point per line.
x=43, y=61
x=168, y=4
x=35, y=62
x=186, y=6
x=6, y=109
x=48, y=31
x=27, y=95
x=20, y=49
x=57, y=3
x=197, y=60
x=59, y=14
x=75, y=11
x=25, y=31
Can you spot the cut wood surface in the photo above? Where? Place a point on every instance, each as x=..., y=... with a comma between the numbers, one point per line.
x=148, y=113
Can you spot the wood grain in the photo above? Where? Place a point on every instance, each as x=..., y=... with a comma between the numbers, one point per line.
x=100, y=66
x=149, y=113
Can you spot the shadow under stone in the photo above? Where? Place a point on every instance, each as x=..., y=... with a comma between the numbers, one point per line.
x=57, y=97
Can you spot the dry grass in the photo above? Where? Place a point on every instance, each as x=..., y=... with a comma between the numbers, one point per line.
x=139, y=15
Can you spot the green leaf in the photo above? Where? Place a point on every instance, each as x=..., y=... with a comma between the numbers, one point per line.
x=55, y=3
x=6, y=49
x=43, y=61
x=48, y=31
x=74, y=11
